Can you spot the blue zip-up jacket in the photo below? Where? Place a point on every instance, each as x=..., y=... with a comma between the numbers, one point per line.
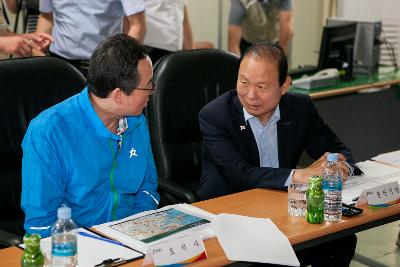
x=71, y=158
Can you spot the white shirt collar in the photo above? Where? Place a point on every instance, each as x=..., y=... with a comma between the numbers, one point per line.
x=275, y=116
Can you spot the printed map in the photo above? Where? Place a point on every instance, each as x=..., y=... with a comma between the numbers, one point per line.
x=158, y=225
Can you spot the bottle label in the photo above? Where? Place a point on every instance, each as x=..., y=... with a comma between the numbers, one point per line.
x=332, y=185
x=67, y=249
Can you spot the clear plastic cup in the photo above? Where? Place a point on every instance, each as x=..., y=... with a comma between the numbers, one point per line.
x=297, y=201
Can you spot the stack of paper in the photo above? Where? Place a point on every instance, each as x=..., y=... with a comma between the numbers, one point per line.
x=253, y=240
x=392, y=158
x=145, y=229
x=242, y=238
x=375, y=174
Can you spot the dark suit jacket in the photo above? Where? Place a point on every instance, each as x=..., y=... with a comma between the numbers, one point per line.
x=230, y=158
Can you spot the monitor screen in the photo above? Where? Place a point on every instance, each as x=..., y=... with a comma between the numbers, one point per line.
x=336, y=45
x=366, y=53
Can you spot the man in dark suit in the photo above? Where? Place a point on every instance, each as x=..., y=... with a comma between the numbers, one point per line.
x=253, y=137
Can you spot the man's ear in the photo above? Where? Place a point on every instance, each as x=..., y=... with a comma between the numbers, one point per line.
x=116, y=96
x=285, y=87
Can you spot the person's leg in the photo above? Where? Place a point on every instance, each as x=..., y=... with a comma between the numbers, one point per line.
x=343, y=250
x=336, y=253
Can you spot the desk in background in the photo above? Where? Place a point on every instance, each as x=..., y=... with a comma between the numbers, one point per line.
x=265, y=204
x=366, y=121
x=386, y=77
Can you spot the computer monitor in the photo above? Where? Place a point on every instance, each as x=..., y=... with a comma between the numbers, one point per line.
x=366, y=45
x=337, y=47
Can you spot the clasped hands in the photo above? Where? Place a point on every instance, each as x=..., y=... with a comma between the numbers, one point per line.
x=317, y=167
x=21, y=45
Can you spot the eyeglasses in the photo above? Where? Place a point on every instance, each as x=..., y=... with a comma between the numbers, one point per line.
x=151, y=90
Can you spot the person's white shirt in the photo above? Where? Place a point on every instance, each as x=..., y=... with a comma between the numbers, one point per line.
x=164, y=24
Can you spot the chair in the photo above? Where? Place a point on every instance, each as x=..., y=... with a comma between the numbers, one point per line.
x=185, y=82
x=27, y=87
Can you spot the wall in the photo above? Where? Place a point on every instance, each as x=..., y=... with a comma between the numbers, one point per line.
x=369, y=9
x=307, y=32
x=386, y=11
x=209, y=20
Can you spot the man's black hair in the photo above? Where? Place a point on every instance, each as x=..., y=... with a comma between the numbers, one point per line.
x=113, y=64
x=270, y=52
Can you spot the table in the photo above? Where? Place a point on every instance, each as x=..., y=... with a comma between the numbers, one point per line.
x=386, y=77
x=265, y=204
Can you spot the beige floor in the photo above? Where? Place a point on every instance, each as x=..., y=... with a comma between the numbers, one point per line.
x=377, y=247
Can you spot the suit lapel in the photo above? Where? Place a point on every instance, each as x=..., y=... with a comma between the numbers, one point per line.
x=284, y=129
x=244, y=132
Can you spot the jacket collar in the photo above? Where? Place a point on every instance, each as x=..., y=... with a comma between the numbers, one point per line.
x=284, y=127
x=244, y=130
x=98, y=127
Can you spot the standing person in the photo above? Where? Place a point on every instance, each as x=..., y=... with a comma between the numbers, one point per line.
x=92, y=152
x=20, y=45
x=253, y=137
x=252, y=21
x=30, y=9
x=79, y=26
x=168, y=28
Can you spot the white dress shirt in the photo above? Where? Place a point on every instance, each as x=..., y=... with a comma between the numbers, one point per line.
x=164, y=22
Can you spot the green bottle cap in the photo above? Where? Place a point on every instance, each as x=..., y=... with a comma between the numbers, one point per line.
x=32, y=239
x=315, y=179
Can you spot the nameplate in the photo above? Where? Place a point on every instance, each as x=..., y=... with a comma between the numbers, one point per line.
x=180, y=252
x=383, y=196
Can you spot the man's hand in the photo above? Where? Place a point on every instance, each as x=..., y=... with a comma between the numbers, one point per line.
x=22, y=45
x=16, y=45
x=40, y=40
x=317, y=167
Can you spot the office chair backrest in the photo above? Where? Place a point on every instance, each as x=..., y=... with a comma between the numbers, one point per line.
x=27, y=87
x=185, y=82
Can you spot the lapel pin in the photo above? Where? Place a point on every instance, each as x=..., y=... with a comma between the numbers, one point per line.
x=242, y=127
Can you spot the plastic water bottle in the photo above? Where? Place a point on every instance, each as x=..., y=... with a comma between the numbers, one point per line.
x=64, y=250
x=332, y=187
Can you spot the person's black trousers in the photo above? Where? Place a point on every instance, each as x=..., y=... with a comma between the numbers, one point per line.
x=336, y=253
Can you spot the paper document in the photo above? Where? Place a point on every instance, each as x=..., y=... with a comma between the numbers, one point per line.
x=375, y=174
x=92, y=251
x=392, y=158
x=151, y=227
x=253, y=240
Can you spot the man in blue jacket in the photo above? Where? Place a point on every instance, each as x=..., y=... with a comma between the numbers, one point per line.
x=92, y=152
